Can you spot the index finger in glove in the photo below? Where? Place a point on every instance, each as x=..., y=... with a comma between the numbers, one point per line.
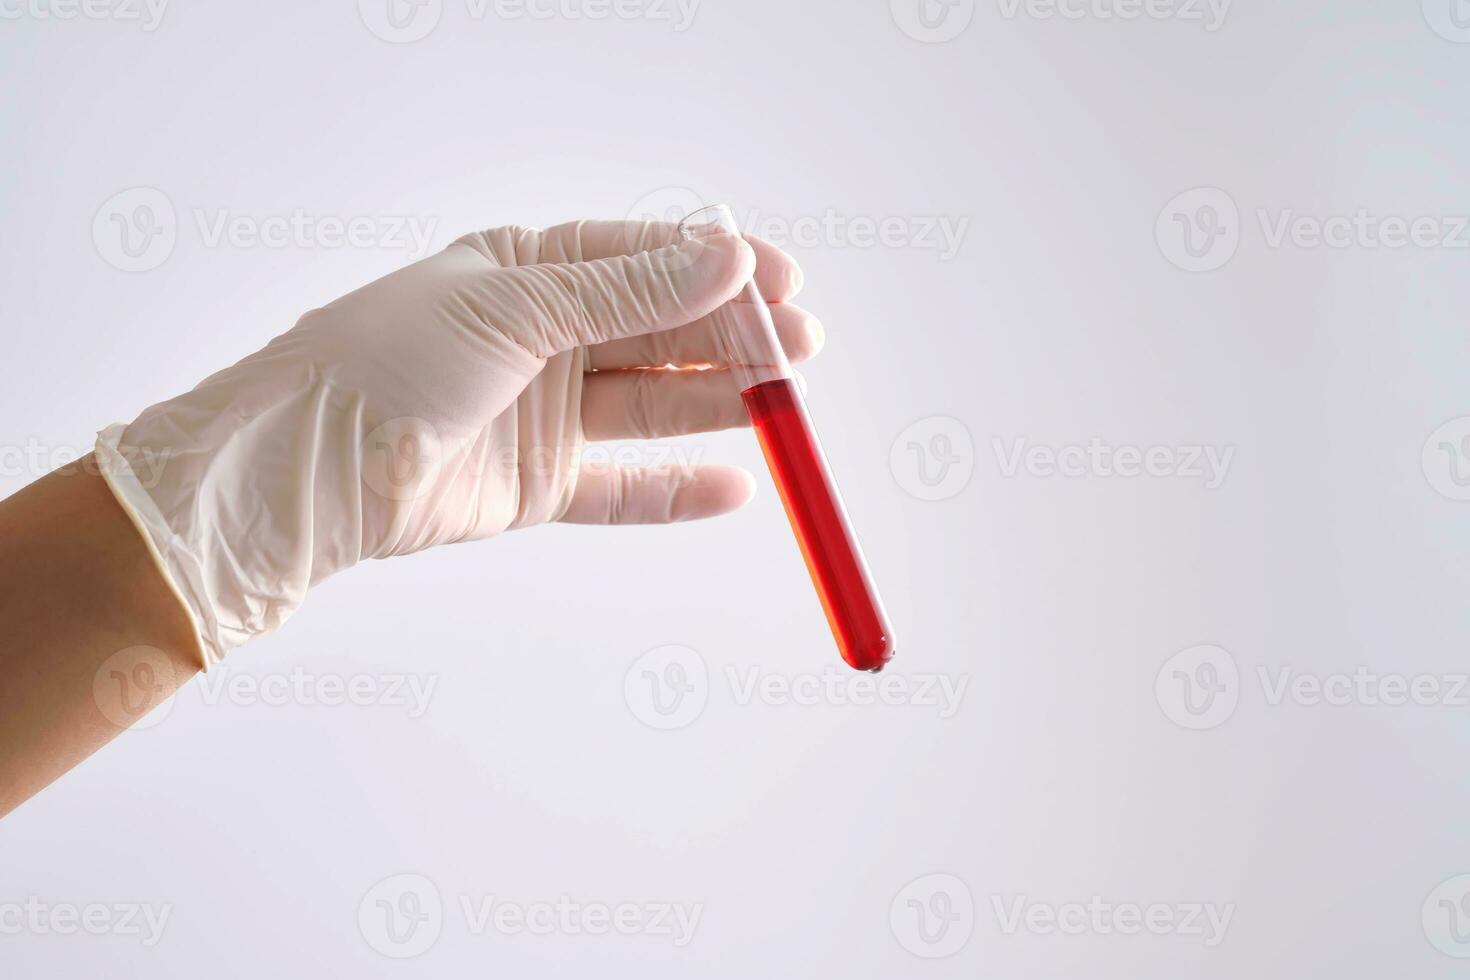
x=553, y=307
x=777, y=275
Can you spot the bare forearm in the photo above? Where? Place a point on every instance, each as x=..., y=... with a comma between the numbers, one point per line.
x=84, y=616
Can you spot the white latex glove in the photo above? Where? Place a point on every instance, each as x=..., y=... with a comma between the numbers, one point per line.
x=446, y=402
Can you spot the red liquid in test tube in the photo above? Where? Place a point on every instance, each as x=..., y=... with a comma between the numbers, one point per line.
x=798, y=466
x=822, y=530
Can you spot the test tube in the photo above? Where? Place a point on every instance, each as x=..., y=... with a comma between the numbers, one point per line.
x=748, y=344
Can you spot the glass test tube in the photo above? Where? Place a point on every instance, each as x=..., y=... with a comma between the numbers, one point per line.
x=748, y=343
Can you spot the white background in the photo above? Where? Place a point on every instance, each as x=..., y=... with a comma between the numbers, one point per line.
x=1057, y=600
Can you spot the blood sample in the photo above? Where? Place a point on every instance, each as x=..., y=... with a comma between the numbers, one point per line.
x=749, y=345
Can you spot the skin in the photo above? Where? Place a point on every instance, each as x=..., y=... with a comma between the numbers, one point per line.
x=77, y=586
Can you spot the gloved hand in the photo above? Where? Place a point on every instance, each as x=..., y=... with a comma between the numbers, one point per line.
x=447, y=402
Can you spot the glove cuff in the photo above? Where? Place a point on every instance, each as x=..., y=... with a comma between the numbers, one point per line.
x=182, y=574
